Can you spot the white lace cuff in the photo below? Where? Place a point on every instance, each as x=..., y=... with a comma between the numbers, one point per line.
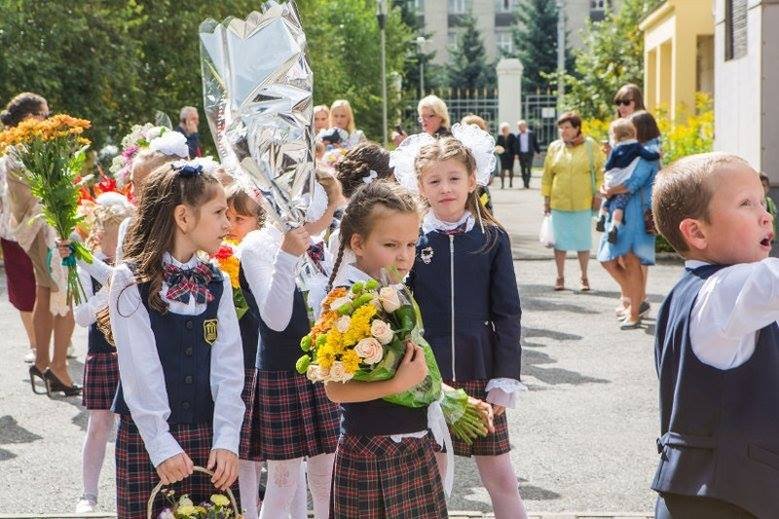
x=504, y=391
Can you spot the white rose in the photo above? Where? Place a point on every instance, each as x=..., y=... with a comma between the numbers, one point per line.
x=370, y=350
x=338, y=303
x=314, y=373
x=389, y=299
x=338, y=372
x=343, y=322
x=382, y=331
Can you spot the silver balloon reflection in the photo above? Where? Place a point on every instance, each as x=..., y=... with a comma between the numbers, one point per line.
x=258, y=100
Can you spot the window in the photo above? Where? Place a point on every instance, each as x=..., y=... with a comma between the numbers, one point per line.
x=459, y=6
x=598, y=5
x=735, y=29
x=505, y=6
x=417, y=6
x=504, y=41
x=452, y=39
x=598, y=10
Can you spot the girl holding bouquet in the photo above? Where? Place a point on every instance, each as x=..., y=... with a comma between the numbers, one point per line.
x=178, y=343
x=465, y=285
x=291, y=418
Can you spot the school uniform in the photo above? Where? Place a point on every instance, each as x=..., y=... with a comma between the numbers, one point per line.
x=717, y=356
x=250, y=337
x=464, y=281
x=291, y=417
x=385, y=462
x=181, y=375
x=101, y=368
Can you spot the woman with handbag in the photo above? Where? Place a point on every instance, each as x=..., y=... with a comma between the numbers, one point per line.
x=573, y=169
x=635, y=244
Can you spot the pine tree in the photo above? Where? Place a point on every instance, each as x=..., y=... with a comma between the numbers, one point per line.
x=468, y=67
x=535, y=41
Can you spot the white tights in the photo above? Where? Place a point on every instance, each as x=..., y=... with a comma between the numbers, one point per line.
x=284, y=482
x=248, y=486
x=93, y=451
x=498, y=476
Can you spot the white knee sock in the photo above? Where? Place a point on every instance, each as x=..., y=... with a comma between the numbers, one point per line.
x=248, y=485
x=283, y=481
x=499, y=478
x=320, y=478
x=93, y=450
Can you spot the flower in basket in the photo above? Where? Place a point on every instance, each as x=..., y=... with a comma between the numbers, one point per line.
x=228, y=262
x=53, y=153
x=217, y=507
x=361, y=335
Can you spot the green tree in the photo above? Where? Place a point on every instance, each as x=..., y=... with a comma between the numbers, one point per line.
x=612, y=55
x=468, y=67
x=535, y=41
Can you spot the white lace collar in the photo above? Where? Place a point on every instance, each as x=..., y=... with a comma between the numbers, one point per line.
x=432, y=223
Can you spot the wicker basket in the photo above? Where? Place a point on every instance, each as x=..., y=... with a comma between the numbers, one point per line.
x=160, y=486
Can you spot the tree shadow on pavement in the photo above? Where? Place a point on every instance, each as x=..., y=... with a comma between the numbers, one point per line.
x=531, y=365
x=13, y=433
x=530, y=492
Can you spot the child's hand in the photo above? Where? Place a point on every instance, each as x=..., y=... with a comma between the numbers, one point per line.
x=63, y=248
x=175, y=468
x=412, y=369
x=296, y=242
x=224, y=465
x=498, y=409
x=486, y=412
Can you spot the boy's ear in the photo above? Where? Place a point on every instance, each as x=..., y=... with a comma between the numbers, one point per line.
x=693, y=233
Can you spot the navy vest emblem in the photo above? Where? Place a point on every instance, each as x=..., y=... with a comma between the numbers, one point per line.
x=209, y=331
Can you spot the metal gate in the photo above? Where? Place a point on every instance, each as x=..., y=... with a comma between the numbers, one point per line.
x=539, y=110
x=459, y=102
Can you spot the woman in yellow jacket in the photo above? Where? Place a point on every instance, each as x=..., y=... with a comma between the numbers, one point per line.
x=573, y=173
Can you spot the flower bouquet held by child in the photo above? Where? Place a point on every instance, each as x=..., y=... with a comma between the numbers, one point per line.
x=53, y=153
x=362, y=334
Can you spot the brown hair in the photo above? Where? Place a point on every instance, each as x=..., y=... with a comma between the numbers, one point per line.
x=21, y=107
x=684, y=190
x=362, y=210
x=646, y=126
x=630, y=92
x=570, y=117
x=622, y=129
x=153, y=230
x=145, y=163
x=449, y=148
x=358, y=164
x=238, y=198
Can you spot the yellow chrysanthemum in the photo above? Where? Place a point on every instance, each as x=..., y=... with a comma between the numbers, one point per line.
x=220, y=500
x=351, y=361
x=334, y=343
x=360, y=326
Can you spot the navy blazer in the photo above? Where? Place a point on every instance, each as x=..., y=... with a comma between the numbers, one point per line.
x=480, y=339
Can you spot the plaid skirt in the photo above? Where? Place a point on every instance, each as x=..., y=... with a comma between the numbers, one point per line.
x=492, y=444
x=247, y=395
x=291, y=418
x=101, y=377
x=136, y=477
x=375, y=477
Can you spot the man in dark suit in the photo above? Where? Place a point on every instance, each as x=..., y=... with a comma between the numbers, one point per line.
x=527, y=146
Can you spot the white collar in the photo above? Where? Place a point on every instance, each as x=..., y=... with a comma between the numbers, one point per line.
x=694, y=264
x=349, y=274
x=432, y=223
x=193, y=261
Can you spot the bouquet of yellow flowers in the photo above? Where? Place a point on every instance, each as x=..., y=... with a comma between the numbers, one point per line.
x=229, y=263
x=53, y=153
x=361, y=335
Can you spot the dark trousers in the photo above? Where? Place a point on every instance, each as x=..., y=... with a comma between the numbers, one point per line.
x=525, y=164
x=675, y=506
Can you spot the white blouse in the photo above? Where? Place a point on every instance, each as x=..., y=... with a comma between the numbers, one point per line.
x=140, y=370
x=85, y=313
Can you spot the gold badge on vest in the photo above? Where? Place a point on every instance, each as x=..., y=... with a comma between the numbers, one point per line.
x=209, y=330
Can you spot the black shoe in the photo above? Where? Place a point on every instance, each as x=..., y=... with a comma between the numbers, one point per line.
x=35, y=372
x=601, y=225
x=55, y=385
x=613, y=235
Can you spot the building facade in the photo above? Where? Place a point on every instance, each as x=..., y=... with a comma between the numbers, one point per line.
x=746, y=75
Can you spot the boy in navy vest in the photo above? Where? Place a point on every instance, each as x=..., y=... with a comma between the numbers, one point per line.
x=717, y=344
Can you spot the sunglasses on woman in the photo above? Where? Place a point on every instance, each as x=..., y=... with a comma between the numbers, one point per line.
x=623, y=102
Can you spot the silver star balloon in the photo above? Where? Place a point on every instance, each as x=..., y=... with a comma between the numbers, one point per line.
x=258, y=100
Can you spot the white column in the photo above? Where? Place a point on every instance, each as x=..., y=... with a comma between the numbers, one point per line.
x=509, y=91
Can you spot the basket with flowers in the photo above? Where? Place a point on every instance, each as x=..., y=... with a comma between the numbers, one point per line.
x=361, y=335
x=218, y=506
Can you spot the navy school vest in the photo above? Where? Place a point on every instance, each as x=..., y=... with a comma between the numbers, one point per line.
x=278, y=351
x=96, y=341
x=719, y=428
x=249, y=325
x=184, y=347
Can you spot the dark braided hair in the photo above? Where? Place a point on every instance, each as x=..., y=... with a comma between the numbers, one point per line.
x=365, y=205
x=358, y=163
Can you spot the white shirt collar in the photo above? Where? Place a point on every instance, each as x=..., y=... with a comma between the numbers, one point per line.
x=432, y=223
x=193, y=261
x=349, y=274
x=694, y=264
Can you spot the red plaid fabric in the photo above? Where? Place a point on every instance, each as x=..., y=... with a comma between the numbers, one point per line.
x=101, y=377
x=249, y=383
x=291, y=418
x=492, y=444
x=191, y=282
x=136, y=477
x=376, y=478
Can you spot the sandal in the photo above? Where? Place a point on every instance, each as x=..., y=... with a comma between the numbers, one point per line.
x=559, y=284
x=584, y=286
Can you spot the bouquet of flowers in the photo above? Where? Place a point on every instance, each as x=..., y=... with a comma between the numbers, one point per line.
x=228, y=262
x=361, y=335
x=53, y=153
x=217, y=507
x=333, y=156
x=139, y=138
